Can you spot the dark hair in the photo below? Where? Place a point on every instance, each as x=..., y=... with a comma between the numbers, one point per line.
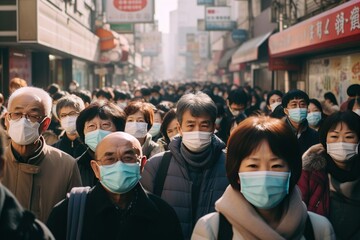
x=278, y=112
x=144, y=108
x=199, y=104
x=238, y=96
x=353, y=90
x=165, y=106
x=85, y=95
x=294, y=94
x=352, y=103
x=53, y=88
x=104, y=110
x=271, y=93
x=331, y=97
x=351, y=119
x=277, y=133
x=317, y=104
x=120, y=95
x=56, y=96
x=106, y=93
x=168, y=118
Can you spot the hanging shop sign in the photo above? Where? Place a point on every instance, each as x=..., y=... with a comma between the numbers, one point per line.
x=130, y=11
x=218, y=19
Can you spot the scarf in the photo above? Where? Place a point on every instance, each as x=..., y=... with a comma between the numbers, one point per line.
x=244, y=218
x=343, y=175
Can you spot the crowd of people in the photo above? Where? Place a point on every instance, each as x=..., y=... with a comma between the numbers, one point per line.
x=178, y=161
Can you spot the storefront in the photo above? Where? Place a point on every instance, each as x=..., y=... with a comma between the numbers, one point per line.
x=322, y=53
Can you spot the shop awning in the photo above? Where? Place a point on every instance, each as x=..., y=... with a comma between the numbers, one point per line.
x=338, y=27
x=248, y=51
x=223, y=63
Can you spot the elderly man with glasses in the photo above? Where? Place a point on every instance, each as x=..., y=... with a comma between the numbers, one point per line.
x=37, y=174
x=117, y=207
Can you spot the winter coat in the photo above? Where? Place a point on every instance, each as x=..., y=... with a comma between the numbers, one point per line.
x=149, y=218
x=87, y=174
x=337, y=198
x=177, y=190
x=43, y=181
x=17, y=223
x=247, y=224
x=74, y=148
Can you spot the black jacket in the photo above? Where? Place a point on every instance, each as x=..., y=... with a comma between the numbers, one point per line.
x=17, y=223
x=151, y=218
x=87, y=174
x=74, y=148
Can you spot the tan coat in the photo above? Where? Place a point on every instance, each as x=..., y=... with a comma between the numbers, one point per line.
x=43, y=181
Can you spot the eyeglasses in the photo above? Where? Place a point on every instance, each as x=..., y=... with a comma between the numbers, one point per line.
x=94, y=126
x=126, y=158
x=15, y=116
x=71, y=114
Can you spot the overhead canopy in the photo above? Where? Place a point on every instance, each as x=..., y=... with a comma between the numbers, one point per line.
x=223, y=63
x=248, y=51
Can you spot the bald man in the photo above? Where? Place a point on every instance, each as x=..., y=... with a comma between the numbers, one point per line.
x=37, y=174
x=117, y=207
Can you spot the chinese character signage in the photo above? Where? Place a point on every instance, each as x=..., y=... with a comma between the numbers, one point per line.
x=130, y=11
x=218, y=19
x=338, y=25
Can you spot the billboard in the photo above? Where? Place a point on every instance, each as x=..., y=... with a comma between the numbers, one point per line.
x=130, y=11
x=218, y=19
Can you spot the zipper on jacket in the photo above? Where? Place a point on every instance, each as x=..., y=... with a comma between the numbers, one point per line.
x=317, y=204
x=72, y=144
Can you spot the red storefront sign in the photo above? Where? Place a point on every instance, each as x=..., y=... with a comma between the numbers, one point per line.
x=237, y=67
x=283, y=64
x=337, y=26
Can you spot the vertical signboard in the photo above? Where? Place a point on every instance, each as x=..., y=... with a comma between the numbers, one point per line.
x=130, y=11
x=218, y=19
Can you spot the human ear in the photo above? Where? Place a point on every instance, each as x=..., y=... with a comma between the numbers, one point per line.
x=95, y=167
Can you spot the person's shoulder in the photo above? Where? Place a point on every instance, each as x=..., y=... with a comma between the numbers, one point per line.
x=207, y=227
x=322, y=226
x=55, y=152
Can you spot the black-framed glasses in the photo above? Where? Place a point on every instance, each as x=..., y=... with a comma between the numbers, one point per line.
x=127, y=158
x=15, y=116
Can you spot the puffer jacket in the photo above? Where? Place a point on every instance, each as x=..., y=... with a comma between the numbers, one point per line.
x=314, y=182
x=177, y=190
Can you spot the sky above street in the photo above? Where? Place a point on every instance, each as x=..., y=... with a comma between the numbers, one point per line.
x=162, y=11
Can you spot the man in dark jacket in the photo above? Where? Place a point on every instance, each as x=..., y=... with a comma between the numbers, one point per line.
x=295, y=104
x=196, y=175
x=118, y=207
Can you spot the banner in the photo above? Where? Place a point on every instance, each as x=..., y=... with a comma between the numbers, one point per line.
x=130, y=11
x=218, y=19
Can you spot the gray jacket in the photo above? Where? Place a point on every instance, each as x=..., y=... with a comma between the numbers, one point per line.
x=177, y=190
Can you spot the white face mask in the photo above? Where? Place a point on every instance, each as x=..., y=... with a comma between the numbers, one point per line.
x=137, y=129
x=155, y=129
x=23, y=132
x=357, y=111
x=235, y=113
x=53, y=111
x=196, y=141
x=342, y=151
x=274, y=105
x=68, y=123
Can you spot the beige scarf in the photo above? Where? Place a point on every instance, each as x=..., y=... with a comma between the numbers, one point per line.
x=244, y=218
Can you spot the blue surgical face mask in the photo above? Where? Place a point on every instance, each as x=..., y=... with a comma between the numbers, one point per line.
x=93, y=138
x=297, y=114
x=120, y=177
x=313, y=118
x=155, y=129
x=264, y=189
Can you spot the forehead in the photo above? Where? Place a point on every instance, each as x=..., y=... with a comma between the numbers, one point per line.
x=27, y=101
x=187, y=116
x=97, y=119
x=117, y=145
x=67, y=109
x=274, y=96
x=340, y=127
x=138, y=114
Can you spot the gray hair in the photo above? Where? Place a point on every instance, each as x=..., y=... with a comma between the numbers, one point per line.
x=42, y=96
x=72, y=101
x=199, y=104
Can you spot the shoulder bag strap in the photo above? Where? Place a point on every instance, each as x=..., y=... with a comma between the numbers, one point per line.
x=161, y=173
x=225, y=229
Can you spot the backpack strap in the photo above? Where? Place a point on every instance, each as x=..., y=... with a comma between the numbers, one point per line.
x=309, y=230
x=76, y=210
x=161, y=173
x=225, y=229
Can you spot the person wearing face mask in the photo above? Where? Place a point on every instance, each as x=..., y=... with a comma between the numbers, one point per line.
x=93, y=123
x=273, y=100
x=235, y=112
x=37, y=174
x=354, y=105
x=315, y=116
x=330, y=181
x=262, y=200
x=118, y=207
x=195, y=177
x=168, y=129
x=68, y=109
x=155, y=129
x=139, y=121
x=295, y=104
